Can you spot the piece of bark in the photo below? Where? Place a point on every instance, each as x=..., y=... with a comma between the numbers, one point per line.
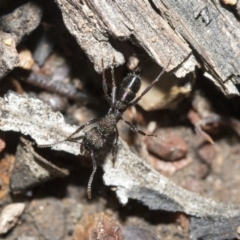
x=30, y=169
x=83, y=25
x=134, y=179
x=93, y=23
x=207, y=229
x=8, y=54
x=238, y=8
x=13, y=28
x=131, y=177
x=26, y=115
x=212, y=32
x=209, y=29
x=22, y=21
x=46, y=82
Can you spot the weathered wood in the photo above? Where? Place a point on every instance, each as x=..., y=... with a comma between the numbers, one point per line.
x=238, y=8
x=8, y=53
x=131, y=177
x=207, y=229
x=84, y=26
x=22, y=21
x=13, y=28
x=94, y=22
x=213, y=33
x=168, y=30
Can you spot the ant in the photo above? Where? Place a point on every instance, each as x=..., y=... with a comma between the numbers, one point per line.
x=94, y=139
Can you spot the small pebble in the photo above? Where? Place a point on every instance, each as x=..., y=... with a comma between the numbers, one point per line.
x=207, y=153
x=26, y=59
x=8, y=42
x=169, y=147
x=238, y=230
x=230, y=2
x=9, y=216
x=97, y=226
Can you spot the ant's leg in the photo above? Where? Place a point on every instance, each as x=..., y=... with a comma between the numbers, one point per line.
x=114, y=148
x=148, y=87
x=69, y=138
x=114, y=87
x=73, y=139
x=89, y=192
x=83, y=126
x=135, y=129
x=104, y=84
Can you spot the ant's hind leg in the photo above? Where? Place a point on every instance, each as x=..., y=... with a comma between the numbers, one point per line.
x=89, y=187
x=69, y=138
x=114, y=147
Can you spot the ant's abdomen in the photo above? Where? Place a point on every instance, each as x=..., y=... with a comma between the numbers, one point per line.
x=129, y=87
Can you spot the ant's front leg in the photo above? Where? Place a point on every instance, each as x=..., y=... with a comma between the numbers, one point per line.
x=69, y=138
x=149, y=86
x=83, y=126
x=135, y=129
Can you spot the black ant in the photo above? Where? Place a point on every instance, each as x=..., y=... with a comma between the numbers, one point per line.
x=95, y=139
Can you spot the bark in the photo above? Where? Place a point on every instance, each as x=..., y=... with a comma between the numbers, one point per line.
x=131, y=177
x=14, y=27
x=172, y=31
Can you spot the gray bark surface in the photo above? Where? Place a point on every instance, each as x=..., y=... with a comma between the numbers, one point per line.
x=130, y=177
x=14, y=27
x=178, y=32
